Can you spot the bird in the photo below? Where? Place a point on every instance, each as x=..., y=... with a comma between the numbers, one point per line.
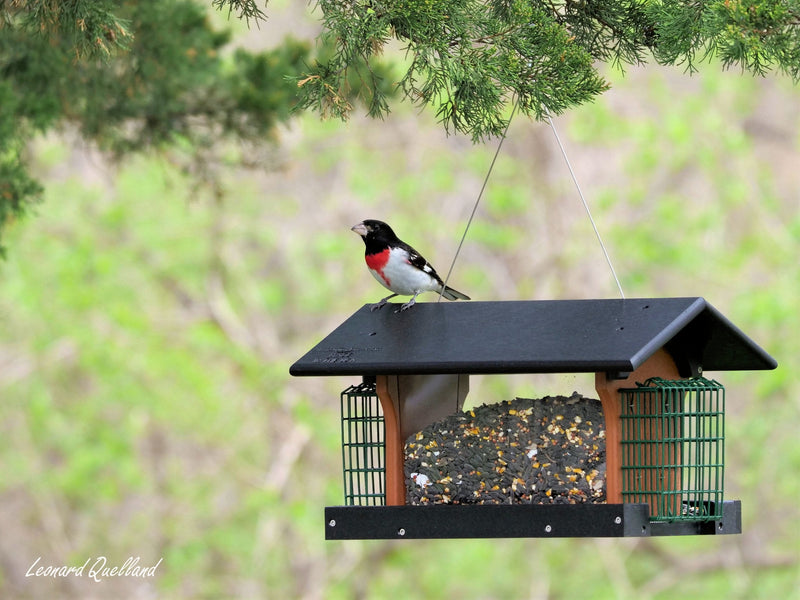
x=398, y=267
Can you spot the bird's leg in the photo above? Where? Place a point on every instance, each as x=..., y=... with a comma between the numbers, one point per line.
x=380, y=304
x=410, y=303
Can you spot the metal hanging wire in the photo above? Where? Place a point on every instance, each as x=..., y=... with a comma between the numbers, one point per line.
x=574, y=180
x=478, y=199
x=585, y=204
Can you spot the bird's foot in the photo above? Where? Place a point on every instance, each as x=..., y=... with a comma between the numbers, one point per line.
x=407, y=305
x=381, y=304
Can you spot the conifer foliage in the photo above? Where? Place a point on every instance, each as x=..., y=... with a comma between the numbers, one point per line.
x=136, y=75
x=128, y=77
x=470, y=59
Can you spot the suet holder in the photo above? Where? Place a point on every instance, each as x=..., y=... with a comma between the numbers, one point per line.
x=363, y=446
x=673, y=448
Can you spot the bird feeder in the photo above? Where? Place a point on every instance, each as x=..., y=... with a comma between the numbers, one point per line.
x=664, y=421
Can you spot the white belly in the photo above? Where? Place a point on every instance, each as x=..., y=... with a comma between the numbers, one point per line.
x=404, y=279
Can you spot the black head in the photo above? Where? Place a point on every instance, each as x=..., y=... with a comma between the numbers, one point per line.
x=372, y=230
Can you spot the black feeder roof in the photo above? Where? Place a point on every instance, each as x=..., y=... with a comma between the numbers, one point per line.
x=547, y=336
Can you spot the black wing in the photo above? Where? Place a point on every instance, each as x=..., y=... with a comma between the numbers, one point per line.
x=417, y=260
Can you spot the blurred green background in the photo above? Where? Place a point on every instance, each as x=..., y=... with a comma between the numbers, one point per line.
x=148, y=323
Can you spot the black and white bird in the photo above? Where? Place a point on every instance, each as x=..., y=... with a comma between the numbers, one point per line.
x=398, y=267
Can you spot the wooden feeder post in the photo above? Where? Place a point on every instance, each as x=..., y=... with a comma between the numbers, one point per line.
x=660, y=364
x=395, y=474
x=420, y=360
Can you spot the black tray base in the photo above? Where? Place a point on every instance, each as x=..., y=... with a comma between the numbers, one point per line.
x=515, y=521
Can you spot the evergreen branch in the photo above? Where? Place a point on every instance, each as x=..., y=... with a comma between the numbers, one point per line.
x=245, y=9
x=469, y=57
x=91, y=28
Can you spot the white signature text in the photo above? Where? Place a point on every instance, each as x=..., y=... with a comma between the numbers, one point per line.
x=96, y=569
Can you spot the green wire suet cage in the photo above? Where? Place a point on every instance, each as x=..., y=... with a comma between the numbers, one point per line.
x=673, y=448
x=363, y=446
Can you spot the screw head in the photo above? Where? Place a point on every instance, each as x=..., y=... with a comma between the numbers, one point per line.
x=548, y=528
x=617, y=520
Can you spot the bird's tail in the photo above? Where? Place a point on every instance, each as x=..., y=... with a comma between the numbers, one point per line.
x=452, y=294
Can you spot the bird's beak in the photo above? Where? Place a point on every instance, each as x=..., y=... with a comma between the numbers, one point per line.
x=360, y=229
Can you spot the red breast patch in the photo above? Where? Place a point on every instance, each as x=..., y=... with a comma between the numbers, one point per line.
x=377, y=262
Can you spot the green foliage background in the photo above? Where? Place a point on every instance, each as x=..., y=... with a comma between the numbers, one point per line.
x=149, y=320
